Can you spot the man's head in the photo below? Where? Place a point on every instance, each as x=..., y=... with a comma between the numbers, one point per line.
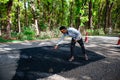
x=63, y=29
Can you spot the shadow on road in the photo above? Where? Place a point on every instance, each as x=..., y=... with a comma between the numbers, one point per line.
x=40, y=62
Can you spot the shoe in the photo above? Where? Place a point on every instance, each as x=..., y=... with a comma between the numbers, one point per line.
x=86, y=57
x=71, y=59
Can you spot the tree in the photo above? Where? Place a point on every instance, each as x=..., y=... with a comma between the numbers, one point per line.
x=9, y=6
x=90, y=15
x=34, y=12
x=18, y=17
x=108, y=9
x=81, y=16
x=100, y=10
x=26, y=16
x=50, y=14
x=71, y=13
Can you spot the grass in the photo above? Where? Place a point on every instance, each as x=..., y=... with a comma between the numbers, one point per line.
x=4, y=40
x=51, y=34
x=55, y=33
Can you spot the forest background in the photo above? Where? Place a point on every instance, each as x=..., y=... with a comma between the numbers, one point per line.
x=41, y=19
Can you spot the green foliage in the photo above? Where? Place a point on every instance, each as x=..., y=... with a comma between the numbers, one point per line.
x=44, y=35
x=84, y=19
x=53, y=13
x=28, y=33
x=4, y=40
x=43, y=26
x=14, y=34
x=56, y=33
x=50, y=34
x=95, y=32
x=4, y=1
x=81, y=12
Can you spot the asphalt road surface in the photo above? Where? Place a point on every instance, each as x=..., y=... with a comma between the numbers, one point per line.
x=37, y=60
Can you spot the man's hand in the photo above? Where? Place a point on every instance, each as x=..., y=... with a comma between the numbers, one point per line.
x=56, y=46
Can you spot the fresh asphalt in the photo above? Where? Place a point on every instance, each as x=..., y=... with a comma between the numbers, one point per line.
x=37, y=60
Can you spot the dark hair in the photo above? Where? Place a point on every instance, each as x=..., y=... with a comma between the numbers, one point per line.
x=62, y=27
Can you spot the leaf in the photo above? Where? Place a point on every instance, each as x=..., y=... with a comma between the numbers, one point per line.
x=71, y=0
x=50, y=1
x=82, y=12
x=4, y=1
x=93, y=1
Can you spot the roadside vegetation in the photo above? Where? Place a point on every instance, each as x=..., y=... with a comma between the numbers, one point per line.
x=40, y=19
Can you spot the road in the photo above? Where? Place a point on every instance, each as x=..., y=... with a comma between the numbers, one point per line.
x=37, y=60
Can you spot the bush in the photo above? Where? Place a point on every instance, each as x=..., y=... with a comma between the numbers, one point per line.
x=4, y=40
x=56, y=33
x=28, y=33
x=49, y=34
x=43, y=26
x=95, y=32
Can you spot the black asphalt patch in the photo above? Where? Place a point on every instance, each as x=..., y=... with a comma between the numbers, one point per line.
x=40, y=62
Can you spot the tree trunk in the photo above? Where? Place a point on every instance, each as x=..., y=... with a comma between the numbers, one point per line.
x=0, y=33
x=90, y=15
x=8, y=32
x=71, y=5
x=62, y=19
x=78, y=22
x=0, y=24
x=36, y=27
x=38, y=20
x=35, y=18
x=18, y=20
x=99, y=18
x=106, y=16
x=48, y=15
x=108, y=23
x=109, y=18
x=26, y=16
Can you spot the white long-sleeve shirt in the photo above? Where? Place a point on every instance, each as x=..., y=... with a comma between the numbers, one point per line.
x=71, y=32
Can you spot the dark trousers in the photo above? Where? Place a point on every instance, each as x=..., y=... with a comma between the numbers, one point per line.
x=72, y=47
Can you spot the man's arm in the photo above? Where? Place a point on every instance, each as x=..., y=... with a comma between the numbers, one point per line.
x=59, y=41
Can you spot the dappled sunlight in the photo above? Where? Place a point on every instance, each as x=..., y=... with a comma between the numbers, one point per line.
x=92, y=45
x=46, y=43
x=104, y=46
x=28, y=43
x=41, y=44
x=107, y=62
x=103, y=40
x=87, y=77
x=6, y=49
x=57, y=77
x=112, y=54
x=3, y=45
x=14, y=56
